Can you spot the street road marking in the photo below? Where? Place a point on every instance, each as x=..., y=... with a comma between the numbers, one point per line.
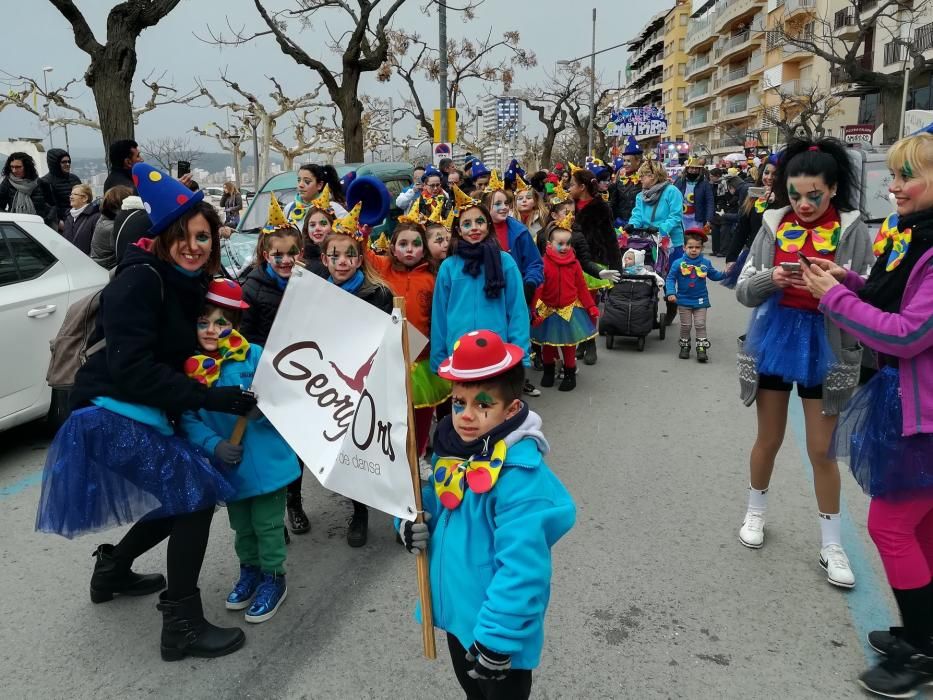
x=21, y=485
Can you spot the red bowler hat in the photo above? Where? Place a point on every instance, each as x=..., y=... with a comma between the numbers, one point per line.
x=226, y=293
x=479, y=355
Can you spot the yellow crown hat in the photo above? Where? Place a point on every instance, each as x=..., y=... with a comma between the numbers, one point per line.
x=560, y=194
x=437, y=216
x=276, y=217
x=567, y=222
x=382, y=243
x=461, y=199
x=520, y=185
x=322, y=201
x=413, y=215
x=495, y=182
x=349, y=225
x=574, y=168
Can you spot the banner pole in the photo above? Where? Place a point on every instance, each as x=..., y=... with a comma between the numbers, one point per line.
x=424, y=581
x=236, y=437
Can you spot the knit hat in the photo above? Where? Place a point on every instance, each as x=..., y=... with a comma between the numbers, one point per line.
x=226, y=294
x=631, y=147
x=479, y=355
x=165, y=199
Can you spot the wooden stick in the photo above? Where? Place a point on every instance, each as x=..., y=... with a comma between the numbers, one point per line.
x=424, y=580
x=236, y=437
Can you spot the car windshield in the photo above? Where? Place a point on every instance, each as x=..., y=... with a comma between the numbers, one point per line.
x=875, y=205
x=256, y=217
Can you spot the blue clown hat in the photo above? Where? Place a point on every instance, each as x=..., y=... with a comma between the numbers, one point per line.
x=618, y=163
x=165, y=199
x=513, y=170
x=599, y=171
x=631, y=147
x=479, y=169
x=429, y=172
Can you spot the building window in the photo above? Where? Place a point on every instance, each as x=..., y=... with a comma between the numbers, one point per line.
x=681, y=44
x=680, y=118
x=681, y=69
x=681, y=93
x=684, y=18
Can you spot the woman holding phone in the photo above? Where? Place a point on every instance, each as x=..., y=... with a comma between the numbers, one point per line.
x=790, y=342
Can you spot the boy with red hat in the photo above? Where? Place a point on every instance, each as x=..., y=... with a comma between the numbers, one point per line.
x=260, y=467
x=493, y=510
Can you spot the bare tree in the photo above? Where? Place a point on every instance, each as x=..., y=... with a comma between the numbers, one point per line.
x=579, y=113
x=491, y=60
x=551, y=102
x=113, y=64
x=309, y=134
x=802, y=111
x=169, y=150
x=229, y=139
x=846, y=41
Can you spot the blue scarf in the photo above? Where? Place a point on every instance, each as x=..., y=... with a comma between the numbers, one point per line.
x=483, y=257
x=353, y=284
x=281, y=282
x=188, y=273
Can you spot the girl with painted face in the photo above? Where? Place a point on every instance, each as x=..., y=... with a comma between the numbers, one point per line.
x=531, y=211
x=886, y=432
x=317, y=224
x=789, y=340
x=750, y=216
x=343, y=253
x=312, y=179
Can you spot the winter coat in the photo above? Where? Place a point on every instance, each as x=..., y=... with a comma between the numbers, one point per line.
x=129, y=225
x=231, y=204
x=264, y=297
x=747, y=228
x=311, y=259
x=58, y=184
x=704, y=199
x=490, y=558
x=622, y=196
x=523, y=250
x=80, y=231
x=755, y=287
x=102, y=243
x=666, y=214
x=563, y=283
x=268, y=463
x=118, y=176
x=376, y=295
x=415, y=284
x=690, y=288
x=907, y=335
x=594, y=222
x=151, y=329
x=460, y=305
x=41, y=200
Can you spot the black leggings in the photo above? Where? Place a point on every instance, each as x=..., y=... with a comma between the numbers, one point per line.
x=515, y=686
x=187, y=542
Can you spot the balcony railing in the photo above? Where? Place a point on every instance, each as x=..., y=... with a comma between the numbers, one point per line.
x=796, y=88
x=697, y=63
x=923, y=37
x=892, y=53
x=792, y=6
x=844, y=18
x=698, y=119
x=698, y=90
x=728, y=10
x=699, y=31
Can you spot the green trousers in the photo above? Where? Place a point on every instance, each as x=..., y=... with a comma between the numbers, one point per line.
x=259, y=526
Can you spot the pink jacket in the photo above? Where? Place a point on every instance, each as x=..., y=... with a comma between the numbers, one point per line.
x=907, y=335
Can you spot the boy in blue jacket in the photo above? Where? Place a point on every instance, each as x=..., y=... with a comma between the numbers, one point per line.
x=260, y=468
x=686, y=286
x=494, y=510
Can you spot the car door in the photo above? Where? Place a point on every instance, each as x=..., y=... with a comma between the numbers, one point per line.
x=33, y=300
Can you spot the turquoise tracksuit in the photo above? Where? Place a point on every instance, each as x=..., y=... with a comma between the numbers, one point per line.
x=461, y=306
x=269, y=464
x=490, y=558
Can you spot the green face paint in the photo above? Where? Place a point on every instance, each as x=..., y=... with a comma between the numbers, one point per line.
x=816, y=198
x=417, y=243
x=907, y=171
x=792, y=190
x=483, y=397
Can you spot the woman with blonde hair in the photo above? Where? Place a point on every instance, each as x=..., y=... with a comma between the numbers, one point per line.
x=231, y=202
x=81, y=219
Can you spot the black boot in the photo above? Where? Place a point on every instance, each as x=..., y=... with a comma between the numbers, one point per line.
x=900, y=676
x=684, y=349
x=547, y=379
x=297, y=519
x=702, y=348
x=358, y=526
x=580, y=350
x=569, y=382
x=589, y=352
x=185, y=632
x=113, y=576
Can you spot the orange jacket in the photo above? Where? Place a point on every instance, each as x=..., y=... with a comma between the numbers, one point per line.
x=415, y=284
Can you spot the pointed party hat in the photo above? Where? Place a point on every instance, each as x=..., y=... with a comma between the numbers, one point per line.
x=165, y=199
x=567, y=222
x=495, y=182
x=276, y=217
x=560, y=194
x=573, y=168
x=413, y=215
x=520, y=185
x=322, y=201
x=461, y=198
x=437, y=216
x=349, y=225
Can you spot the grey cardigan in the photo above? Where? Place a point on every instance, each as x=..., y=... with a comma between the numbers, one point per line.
x=755, y=286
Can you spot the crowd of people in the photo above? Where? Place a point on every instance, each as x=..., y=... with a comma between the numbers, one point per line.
x=505, y=273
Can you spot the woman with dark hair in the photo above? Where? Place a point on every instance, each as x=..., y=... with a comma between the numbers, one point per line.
x=231, y=201
x=117, y=458
x=22, y=192
x=593, y=239
x=312, y=181
x=790, y=342
x=750, y=214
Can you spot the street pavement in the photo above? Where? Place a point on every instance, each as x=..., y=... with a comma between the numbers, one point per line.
x=653, y=595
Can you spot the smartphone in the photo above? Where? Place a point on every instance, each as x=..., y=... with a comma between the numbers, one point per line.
x=790, y=267
x=756, y=191
x=184, y=167
x=804, y=259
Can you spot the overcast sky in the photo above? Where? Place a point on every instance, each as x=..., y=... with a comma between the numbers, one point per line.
x=553, y=29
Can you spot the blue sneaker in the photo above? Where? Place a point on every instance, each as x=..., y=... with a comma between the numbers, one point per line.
x=269, y=597
x=244, y=590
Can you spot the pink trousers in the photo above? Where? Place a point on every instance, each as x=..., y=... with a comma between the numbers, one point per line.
x=902, y=531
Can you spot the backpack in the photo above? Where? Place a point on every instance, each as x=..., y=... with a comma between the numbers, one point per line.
x=71, y=347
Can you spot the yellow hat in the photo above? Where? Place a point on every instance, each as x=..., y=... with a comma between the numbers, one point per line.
x=437, y=216
x=560, y=194
x=520, y=185
x=413, y=215
x=567, y=222
x=349, y=225
x=573, y=168
x=381, y=243
x=495, y=182
x=322, y=201
x=276, y=217
x=693, y=162
x=461, y=199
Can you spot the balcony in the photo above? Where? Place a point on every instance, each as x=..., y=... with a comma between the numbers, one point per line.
x=799, y=87
x=727, y=11
x=739, y=107
x=733, y=45
x=699, y=34
x=892, y=53
x=845, y=25
x=728, y=144
x=792, y=52
x=699, y=65
x=699, y=92
x=698, y=120
x=923, y=37
x=654, y=43
x=799, y=8
x=735, y=76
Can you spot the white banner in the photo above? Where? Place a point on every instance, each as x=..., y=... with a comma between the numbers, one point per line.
x=332, y=381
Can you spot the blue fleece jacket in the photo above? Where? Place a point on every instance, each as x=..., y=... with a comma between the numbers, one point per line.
x=490, y=558
x=667, y=216
x=268, y=462
x=523, y=250
x=704, y=199
x=460, y=305
x=687, y=285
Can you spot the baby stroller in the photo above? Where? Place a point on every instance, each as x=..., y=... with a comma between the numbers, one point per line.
x=632, y=307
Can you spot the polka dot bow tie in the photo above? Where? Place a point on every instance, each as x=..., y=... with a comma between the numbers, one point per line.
x=206, y=368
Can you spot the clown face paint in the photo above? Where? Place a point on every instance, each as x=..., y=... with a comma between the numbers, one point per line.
x=210, y=326
x=342, y=258
x=282, y=254
x=560, y=241
x=473, y=226
x=911, y=193
x=477, y=410
x=809, y=196
x=318, y=226
x=408, y=248
x=499, y=208
x=438, y=242
x=308, y=185
x=192, y=252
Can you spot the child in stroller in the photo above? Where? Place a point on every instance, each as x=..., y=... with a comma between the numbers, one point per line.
x=631, y=308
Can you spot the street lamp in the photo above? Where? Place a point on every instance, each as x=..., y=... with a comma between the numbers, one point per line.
x=253, y=122
x=45, y=86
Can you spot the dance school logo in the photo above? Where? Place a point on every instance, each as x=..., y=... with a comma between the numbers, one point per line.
x=343, y=396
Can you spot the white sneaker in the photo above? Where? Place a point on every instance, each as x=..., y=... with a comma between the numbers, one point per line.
x=834, y=560
x=752, y=532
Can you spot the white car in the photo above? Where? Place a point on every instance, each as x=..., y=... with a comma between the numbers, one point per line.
x=212, y=195
x=41, y=275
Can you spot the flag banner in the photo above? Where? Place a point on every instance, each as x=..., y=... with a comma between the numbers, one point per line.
x=332, y=381
x=636, y=121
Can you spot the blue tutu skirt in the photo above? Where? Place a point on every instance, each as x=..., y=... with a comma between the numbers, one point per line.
x=557, y=332
x=105, y=470
x=869, y=437
x=789, y=343
x=732, y=277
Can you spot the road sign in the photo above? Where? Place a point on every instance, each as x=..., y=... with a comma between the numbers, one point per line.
x=441, y=150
